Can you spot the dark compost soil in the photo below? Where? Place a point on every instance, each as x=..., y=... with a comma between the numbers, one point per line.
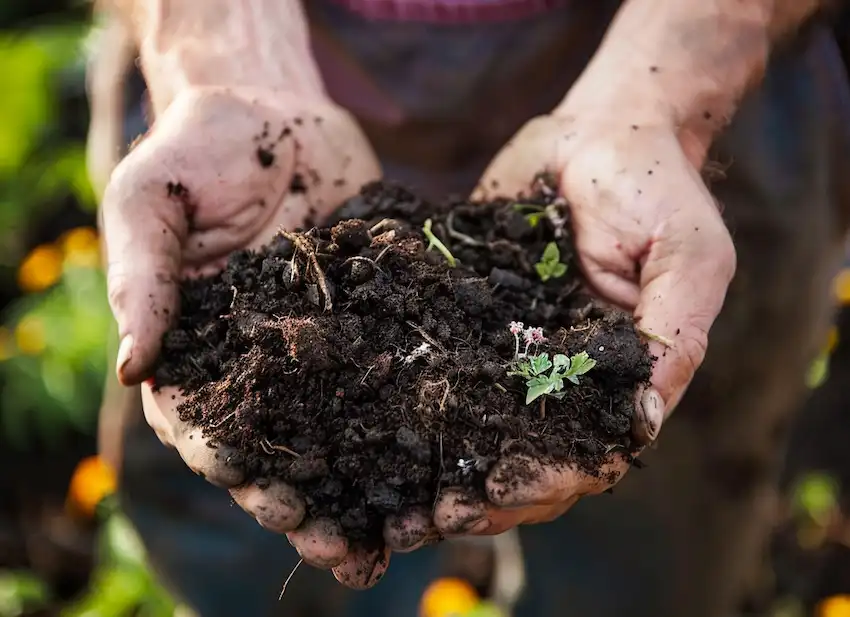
x=324, y=381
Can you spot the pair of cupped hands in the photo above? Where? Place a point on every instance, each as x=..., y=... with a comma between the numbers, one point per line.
x=648, y=232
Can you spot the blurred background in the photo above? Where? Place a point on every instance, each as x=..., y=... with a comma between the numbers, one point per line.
x=65, y=549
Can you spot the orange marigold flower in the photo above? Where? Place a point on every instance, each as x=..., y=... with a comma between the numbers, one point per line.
x=448, y=597
x=93, y=480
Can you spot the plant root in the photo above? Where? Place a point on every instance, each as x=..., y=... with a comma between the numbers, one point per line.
x=300, y=244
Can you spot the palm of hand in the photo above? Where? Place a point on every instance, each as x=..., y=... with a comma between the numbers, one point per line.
x=222, y=171
x=650, y=239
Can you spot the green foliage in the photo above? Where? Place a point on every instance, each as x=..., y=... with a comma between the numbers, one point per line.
x=534, y=214
x=818, y=371
x=550, y=266
x=122, y=584
x=540, y=383
x=486, y=609
x=21, y=593
x=60, y=386
x=38, y=167
x=435, y=242
x=55, y=384
x=815, y=496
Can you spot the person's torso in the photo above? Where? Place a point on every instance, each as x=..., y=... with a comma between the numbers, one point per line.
x=441, y=85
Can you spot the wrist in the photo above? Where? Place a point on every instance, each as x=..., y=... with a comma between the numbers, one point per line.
x=257, y=45
x=684, y=65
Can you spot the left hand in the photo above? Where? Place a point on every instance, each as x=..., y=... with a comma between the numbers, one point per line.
x=650, y=239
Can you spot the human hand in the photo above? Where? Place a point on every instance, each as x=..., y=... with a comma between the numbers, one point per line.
x=650, y=239
x=217, y=173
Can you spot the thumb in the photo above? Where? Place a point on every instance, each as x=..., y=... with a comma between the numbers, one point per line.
x=683, y=284
x=144, y=224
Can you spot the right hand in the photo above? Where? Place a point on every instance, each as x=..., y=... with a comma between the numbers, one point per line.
x=213, y=176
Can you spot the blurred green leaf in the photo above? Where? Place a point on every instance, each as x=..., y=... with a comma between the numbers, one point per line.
x=818, y=371
x=816, y=495
x=21, y=592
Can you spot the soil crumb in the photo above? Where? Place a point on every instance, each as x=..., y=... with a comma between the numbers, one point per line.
x=353, y=362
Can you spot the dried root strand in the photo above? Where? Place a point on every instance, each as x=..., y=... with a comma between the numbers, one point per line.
x=301, y=244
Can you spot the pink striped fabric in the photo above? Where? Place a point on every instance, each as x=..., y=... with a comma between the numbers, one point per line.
x=449, y=11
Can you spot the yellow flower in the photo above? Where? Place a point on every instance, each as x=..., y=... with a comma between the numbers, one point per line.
x=6, y=347
x=30, y=338
x=448, y=597
x=841, y=285
x=40, y=269
x=832, y=339
x=836, y=606
x=81, y=247
x=93, y=480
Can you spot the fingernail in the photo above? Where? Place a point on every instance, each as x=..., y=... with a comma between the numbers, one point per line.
x=652, y=414
x=477, y=526
x=125, y=354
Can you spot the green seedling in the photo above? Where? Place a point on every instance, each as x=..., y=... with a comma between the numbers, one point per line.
x=435, y=242
x=545, y=375
x=550, y=266
x=534, y=214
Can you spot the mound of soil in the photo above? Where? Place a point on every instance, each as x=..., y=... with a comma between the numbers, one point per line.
x=359, y=366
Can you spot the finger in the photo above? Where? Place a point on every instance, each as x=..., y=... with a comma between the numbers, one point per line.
x=519, y=481
x=276, y=506
x=649, y=416
x=457, y=513
x=411, y=531
x=512, y=172
x=219, y=465
x=144, y=224
x=684, y=279
x=363, y=568
x=320, y=543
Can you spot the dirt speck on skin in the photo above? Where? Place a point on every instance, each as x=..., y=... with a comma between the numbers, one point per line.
x=266, y=157
x=356, y=365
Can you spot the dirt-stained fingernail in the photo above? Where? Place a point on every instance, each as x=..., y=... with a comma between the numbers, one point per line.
x=650, y=415
x=477, y=526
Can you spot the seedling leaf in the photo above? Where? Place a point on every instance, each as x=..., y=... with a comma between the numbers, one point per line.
x=550, y=266
x=538, y=390
x=561, y=361
x=435, y=242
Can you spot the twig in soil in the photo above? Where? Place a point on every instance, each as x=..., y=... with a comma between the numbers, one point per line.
x=657, y=338
x=453, y=233
x=445, y=395
x=381, y=224
x=439, y=477
x=426, y=336
x=223, y=420
x=269, y=448
x=382, y=253
x=300, y=244
x=289, y=578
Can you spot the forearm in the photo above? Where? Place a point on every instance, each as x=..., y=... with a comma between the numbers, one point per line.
x=688, y=62
x=190, y=43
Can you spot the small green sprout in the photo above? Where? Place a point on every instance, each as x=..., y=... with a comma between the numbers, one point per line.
x=544, y=376
x=435, y=242
x=540, y=383
x=550, y=266
x=534, y=213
